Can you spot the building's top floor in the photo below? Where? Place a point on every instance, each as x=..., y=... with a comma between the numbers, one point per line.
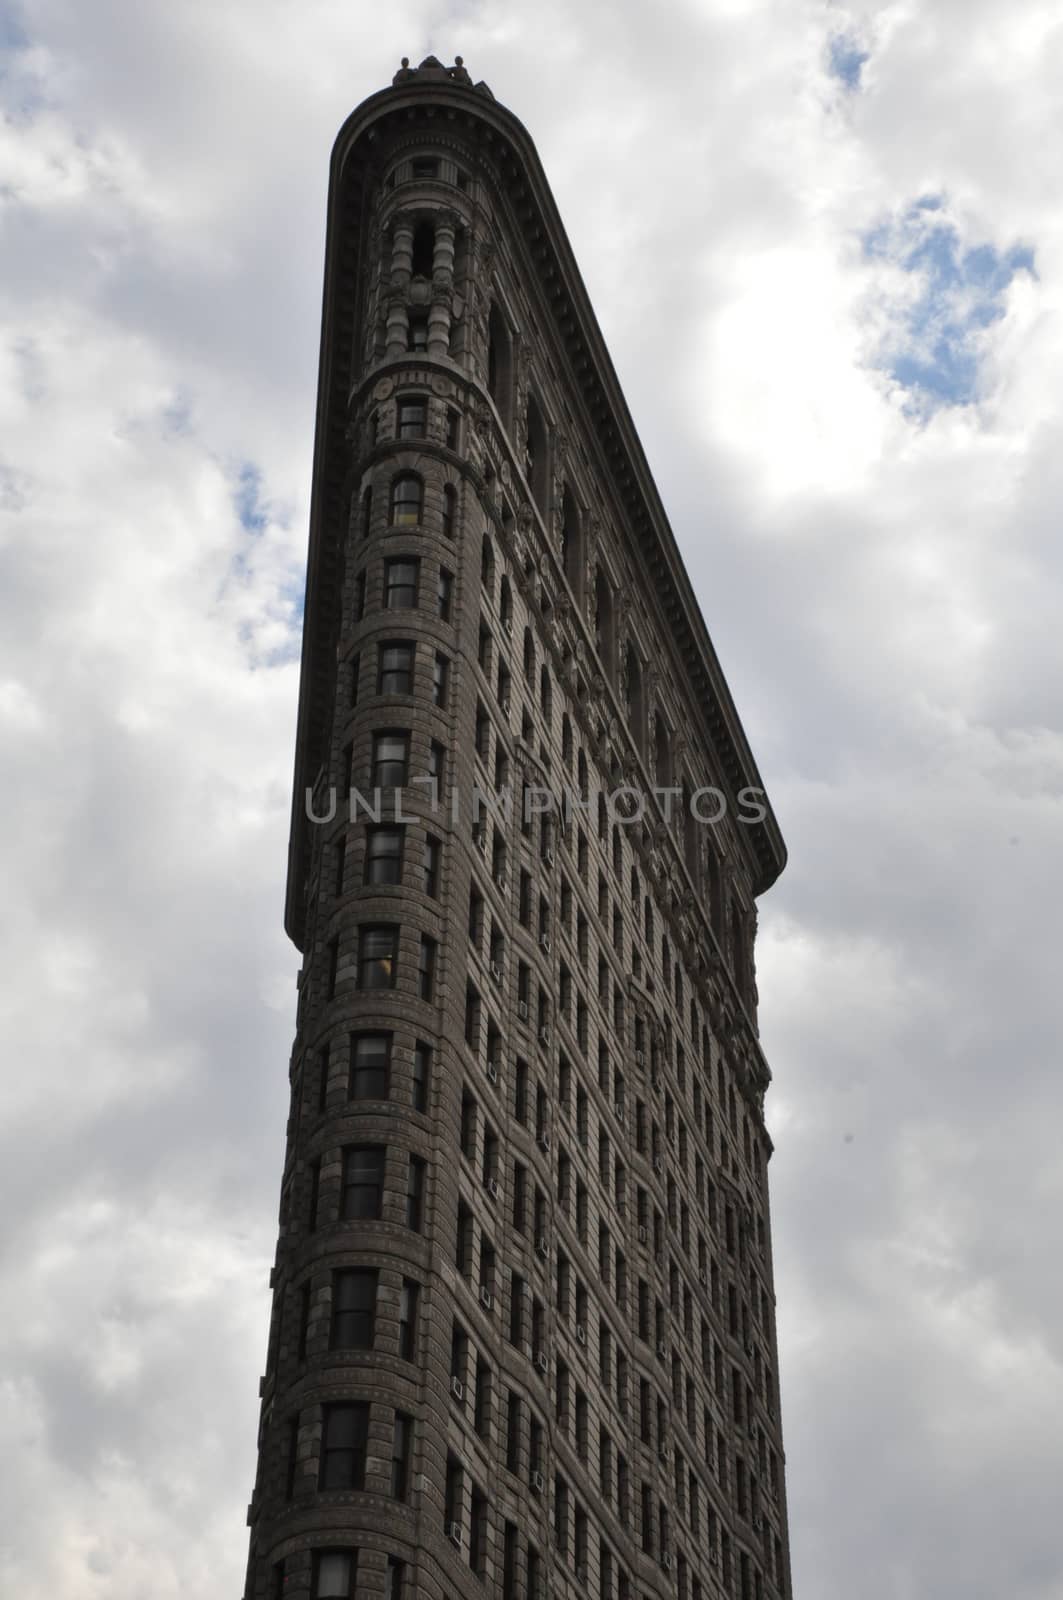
x=435, y=146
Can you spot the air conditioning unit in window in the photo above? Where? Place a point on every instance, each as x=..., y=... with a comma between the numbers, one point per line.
x=500, y=882
x=714, y=1556
x=543, y=1141
x=618, y=1112
x=492, y=1188
x=541, y=1361
x=481, y=843
x=581, y=1333
x=496, y=972
x=662, y=1349
x=544, y=1035
x=486, y=1299
x=640, y=1058
x=666, y=1561
x=492, y=1071
x=507, y=627
x=457, y=1388
x=749, y=1347
x=454, y=1533
x=542, y=1247
x=537, y=1482
x=758, y=1524
x=703, y=1278
x=548, y=858
x=544, y=942
x=644, y=1235
x=658, y=1164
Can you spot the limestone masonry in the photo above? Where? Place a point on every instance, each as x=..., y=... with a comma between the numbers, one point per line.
x=522, y=1342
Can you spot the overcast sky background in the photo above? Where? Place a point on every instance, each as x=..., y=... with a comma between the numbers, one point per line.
x=825, y=243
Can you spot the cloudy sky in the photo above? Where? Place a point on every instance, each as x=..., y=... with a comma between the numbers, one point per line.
x=825, y=243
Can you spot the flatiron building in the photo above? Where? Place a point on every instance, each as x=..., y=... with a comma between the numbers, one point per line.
x=522, y=1340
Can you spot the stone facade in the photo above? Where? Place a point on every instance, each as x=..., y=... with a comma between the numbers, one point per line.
x=523, y=1331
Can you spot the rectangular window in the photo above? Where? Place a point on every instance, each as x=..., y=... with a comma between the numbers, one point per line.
x=370, y=1062
x=396, y=1578
x=383, y=855
x=377, y=950
x=452, y=428
x=335, y=1573
x=401, y=1443
x=422, y=1069
x=343, y=1447
x=391, y=754
x=400, y=584
x=412, y=419
x=444, y=595
x=353, y=1308
x=408, y=1319
x=440, y=673
x=478, y=1532
x=415, y=1194
x=426, y=968
x=417, y=333
x=430, y=867
x=395, y=668
x=363, y=1183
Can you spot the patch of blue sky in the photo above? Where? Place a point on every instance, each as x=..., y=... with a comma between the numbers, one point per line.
x=247, y=498
x=935, y=349
x=845, y=60
x=13, y=35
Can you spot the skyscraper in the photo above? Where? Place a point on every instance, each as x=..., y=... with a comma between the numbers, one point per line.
x=523, y=1331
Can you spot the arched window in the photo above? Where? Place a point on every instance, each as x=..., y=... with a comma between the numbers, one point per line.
x=566, y=739
x=487, y=565
x=536, y=456
x=407, y=496
x=505, y=605
x=424, y=249
x=450, y=510
x=571, y=542
x=603, y=621
x=529, y=656
x=499, y=363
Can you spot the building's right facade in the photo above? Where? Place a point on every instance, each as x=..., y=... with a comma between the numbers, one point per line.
x=523, y=1339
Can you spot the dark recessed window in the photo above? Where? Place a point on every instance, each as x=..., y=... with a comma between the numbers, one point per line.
x=395, y=669
x=415, y=1194
x=413, y=419
x=462, y=180
x=432, y=854
x=363, y=1182
x=343, y=1451
x=425, y=167
x=417, y=334
x=390, y=760
x=407, y=497
x=353, y=1308
x=445, y=594
x=377, y=950
x=422, y=1067
x=440, y=673
x=401, y=1443
x=408, y=1319
x=426, y=968
x=370, y=1059
x=400, y=584
x=453, y=424
x=383, y=855
x=450, y=510
x=335, y=1573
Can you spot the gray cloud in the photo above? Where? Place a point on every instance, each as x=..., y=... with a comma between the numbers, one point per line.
x=884, y=592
